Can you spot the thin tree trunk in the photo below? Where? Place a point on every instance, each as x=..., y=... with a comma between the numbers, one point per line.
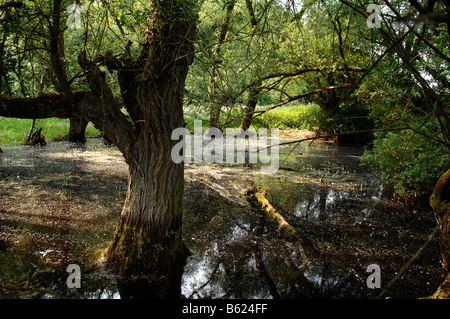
x=214, y=106
x=30, y=133
x=215, y=103
x=255, y=89
x=57, y=58
x=250, y=107
x=77, y=130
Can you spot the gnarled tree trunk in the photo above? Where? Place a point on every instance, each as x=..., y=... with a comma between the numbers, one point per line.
x=147, y=249
x=77, y=130
x=440, y=202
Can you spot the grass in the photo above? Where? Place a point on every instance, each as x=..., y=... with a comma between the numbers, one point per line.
x=304, y=117
x=14, y=131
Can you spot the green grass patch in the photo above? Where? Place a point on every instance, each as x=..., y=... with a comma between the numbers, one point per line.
x=303, y=117
x=14, y=131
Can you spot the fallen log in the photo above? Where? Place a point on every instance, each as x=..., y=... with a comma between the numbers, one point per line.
x=256, y=196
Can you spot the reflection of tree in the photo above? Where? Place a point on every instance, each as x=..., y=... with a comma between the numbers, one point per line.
x=260, y=263
x=244, y=258
x=323, y=192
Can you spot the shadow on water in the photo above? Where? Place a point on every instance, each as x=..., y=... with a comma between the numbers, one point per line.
x=59, y=205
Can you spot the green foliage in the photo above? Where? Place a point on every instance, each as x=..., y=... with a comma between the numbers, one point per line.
x=14, y=131
x=304, y=117
x=263, y=49
x=410, y=163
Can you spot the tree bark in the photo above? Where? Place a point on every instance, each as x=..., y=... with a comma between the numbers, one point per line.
x=147, y=249
x=250, y=107
x=77, y=130
x=440, y=202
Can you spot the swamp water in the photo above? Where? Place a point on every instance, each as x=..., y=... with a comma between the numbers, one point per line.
x=59, y=205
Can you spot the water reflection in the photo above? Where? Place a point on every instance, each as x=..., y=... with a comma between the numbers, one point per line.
x=249, y=261
x=334, y=204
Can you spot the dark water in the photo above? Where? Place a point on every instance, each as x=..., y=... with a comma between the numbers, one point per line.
x=344, y=222
x=335, y=204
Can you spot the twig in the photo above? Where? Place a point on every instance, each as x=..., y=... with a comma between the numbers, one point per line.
x=408, y=263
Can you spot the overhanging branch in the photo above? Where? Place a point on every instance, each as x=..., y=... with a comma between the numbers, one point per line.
x=87, y=106
x=44, y=106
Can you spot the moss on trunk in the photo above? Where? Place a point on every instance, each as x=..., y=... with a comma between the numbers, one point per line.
x=440, y=202
x=149, y=261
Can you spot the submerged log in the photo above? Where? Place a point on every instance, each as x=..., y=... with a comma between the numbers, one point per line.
x=256, y=196
x=224, y=193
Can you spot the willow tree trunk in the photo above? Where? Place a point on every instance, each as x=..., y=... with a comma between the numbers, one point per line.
x=77, y=130
x=147, y=250
x=440, y=202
